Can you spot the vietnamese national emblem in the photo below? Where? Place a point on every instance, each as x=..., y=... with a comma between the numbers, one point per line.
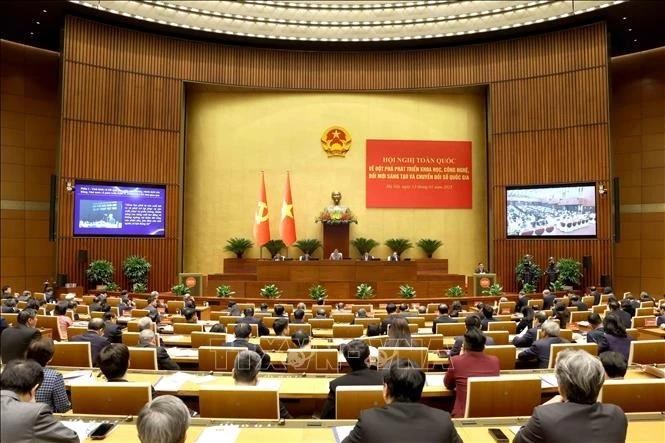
x=336, y=141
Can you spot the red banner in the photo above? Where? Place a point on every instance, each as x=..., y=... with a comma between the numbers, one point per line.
x=418, y=174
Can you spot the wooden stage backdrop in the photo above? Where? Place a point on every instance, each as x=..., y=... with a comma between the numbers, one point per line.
x=122, y=119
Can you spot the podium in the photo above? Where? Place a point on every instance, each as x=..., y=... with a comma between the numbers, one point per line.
x=482, y=282
x=335, y=236
x=195, y=282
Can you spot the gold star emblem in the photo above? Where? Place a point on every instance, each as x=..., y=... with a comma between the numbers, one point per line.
x=287, y=210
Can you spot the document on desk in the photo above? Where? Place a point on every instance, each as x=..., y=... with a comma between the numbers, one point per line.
x=83, y=374
x=341, y=432
x=434, y=380
x=82, y=428
x=270, y=384
x=548, y=381
x=173, y=382
x=182, y=352
x=219, y=434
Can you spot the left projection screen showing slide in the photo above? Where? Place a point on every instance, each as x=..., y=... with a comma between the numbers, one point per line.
x=119, y=209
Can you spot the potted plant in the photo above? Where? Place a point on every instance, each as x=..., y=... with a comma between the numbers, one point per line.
x=407, y=291
x=238, y=245
x=455, y=291
x=317, y=292
x=528, y=288
x=308, y=245
x=180, y=289
x=429, y=246
x=112, y=287
x=100, y=273
x=527, y=271
x=270, y=291
x=136, y=269
x=556, y=285
x=364, y=291
x=495, y=289
x=274, y=246
x=139, y=288
x=570, y=272
x=398, y=245
x=363, y=245
x=224, y=291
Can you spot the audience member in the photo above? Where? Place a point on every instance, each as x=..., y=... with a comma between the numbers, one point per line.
x=279, y=311
x=562, y=314
x=399, y=334
x=112, y=330
x=99, y=304
x=321, y=313
x=301, y=340
x=488, y=316
x=218, y=328
x=189, y=301
x=126, y=304
x=148, y=339
x=9, y=306
x=391, y=309
x=443, y=317
x=614, y=364
x=471, y=321
x=548, y=299
x=405, y=312
x=24, y=420
x=15, y=340
x=422, y=310
x=595, y=335
x=576, y=411
x=153, y=312
x=528, y=336
x=302, y=306
x=114, y=361
x=522, y=301
x=263, y=308
x=661, y=318
x=361, y=313
x=242, y=333
x=164, y=420
x=95, y=336
x=64, y=320
x=190, y=315
x=624, y=317
x=526, y=322
x=456, y=308
x=373, y=330
x=7, y=292
x=539, y=352
x=614, y=337
x=579, y=304
x=25, y=296
x=251, y=320
x=299, y=316
x=52, y=390
x=596, y=296
x=281, y=327
x=471, y=363
x=340, y=307
x=49, y=294
x=403, y=418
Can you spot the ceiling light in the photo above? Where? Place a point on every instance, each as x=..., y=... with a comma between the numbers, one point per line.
x=630, y=29
x=37, y=23
x=44, y=11
x=623, y=18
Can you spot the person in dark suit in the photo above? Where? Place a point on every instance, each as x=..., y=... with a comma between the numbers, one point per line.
x=596, y=296
x=190, y=315
x=243, y=330
x=404, y=311
x=579, y=304
x=443, y=317
x=356, y=353
x=614, y=337
x=531, y=335
x=595, y=335
x=471, y=321
x=299, y=316
x=624, y=317
x=472, y=363
x=548, y=299
x=480, y=269
x=488, y=316
x=148, y=339
x=14, y=341
x=661, y=318
x=539, y=352
x=95, y=336
x=561, y=313
x=403, y=418
x=614, y=364
x=153, y=313
x=3, y=325
x=279, y=311
x=99, y=304
x=250, y=319
x=575, y=414
x=522, y=301
x=526, y=322
x=23, y=419
x=114, y=362
x=9, y=306
x=391, y=309
x=281, y=327
x=112, y=330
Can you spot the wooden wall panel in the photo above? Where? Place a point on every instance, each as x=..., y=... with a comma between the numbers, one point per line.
x=547, y=111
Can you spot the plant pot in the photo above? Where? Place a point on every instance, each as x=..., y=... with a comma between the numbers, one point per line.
x=549, y=229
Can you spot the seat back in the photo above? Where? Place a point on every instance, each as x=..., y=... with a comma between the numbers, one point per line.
x=506, y=307
x=140, y=303
x=566, y=334
x=83, y=309
x=599, y=309
x=451, y=329
x=110, y=398
x=578, y=316
x=130, y=338
x=588, y=300
x=218, y=358
x=376, y=341
x=499, y=337
x=555, y=348
x=272, y=343
x=10, y=317
x=50, y=322
x=418, y=321
x=227, y=320
x=367, y=321
x=199, y=339
x=646, y=352
x=326, y=308
x=137, y=313
x=311, y=360
x=432, y=342
x=73, y=331
x=417, y=355
x=231, y=329
x=321, y=323
x=88, y=299
x=75, y=354
x=304, y=327
x=143, y=358
x=635, y=395
x=187, y=328
x=347, y=331
x=238, y=402
x=505, y=353
x=268, y=321
x=175, y=306
x=350, y=401
x=504, y=396
x=243, y=306
x=536, y=302
x=343, y=317
x=647, y=311
x=113, y=301
x=508, y=326
x=644, y=321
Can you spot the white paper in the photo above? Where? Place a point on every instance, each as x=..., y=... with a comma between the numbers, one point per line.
x=76, y=374
x=515, y=429
x=203, y=379
x=182, y=352
x=219, y=434
x=434, y=380
x=269, y=383
x=82, y=428
x=548, y=381
x=341, y=432
x=173, y=382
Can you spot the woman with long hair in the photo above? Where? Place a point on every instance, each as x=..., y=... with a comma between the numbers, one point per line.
x=399, y=334
x=615, y=337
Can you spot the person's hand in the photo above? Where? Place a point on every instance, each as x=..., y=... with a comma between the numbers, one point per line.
x=553, y=400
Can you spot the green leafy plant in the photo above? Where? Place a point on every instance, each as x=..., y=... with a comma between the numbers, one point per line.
x=406, y=291
x=429, y=246
x=112, y=287
x=494, y=289
x=398, y=245
x=180, y=289
x=527, y=271
x=238, y=245
x=270, y=291
x=140, y=288
x=224, y=291
x=363, y=245
x=136, y=269
x=100, y=272
x=570, y=271
x=317, y=292
x=308, y=245
x=528, y=288
x=274, y=246
x=556, y=285
x=455, y=291
x=364, y=291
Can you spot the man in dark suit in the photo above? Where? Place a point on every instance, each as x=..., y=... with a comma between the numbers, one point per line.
x=356, y=353
x=243, y=331
x=14, y=341
x=575, y=414
x=404, y=311
x=114, y=362
x=548, y=299
x=403, y=418
x=148, y=339
x=472, y=363
x=488, y=316
x=624, y=317
x=391, y=309
x=539, y=352
x=596, y=334
x=95, y=336
x=522, y=301
x=153, y=313
x=112, y=331
x=471, y=321
x=531, y=335
x=575, y=301
x=661, y=318
x=251, y=320
x=442, y=318
x=596, y=296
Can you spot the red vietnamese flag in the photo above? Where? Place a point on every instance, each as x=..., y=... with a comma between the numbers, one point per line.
x=287, y=227
x=261, y=226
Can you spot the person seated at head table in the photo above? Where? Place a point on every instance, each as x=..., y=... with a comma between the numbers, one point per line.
x=190, y=315
x=614, y=364
x=164, y=420
x=299, y=316
x=614, y=338
x=250, y=319
x=576, y=411
x=336, y=255
x=24, y=419
x=530, y=335
x=242, y=333
x=403, y=418
x=356, y=353
x=281, y=327
x=95, y=336
x=366, y=257
x=280, y=311
x=52, y=390
x=301, y=340
x=393, y=257
x=399, y=334
x=148, y=339
x=470, y=321
x=246, y=369
x=471, y=363
x=539, y=352
x=114, y=361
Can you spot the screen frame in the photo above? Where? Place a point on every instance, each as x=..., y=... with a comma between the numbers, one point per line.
x=121, y=184
x=547, y=186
